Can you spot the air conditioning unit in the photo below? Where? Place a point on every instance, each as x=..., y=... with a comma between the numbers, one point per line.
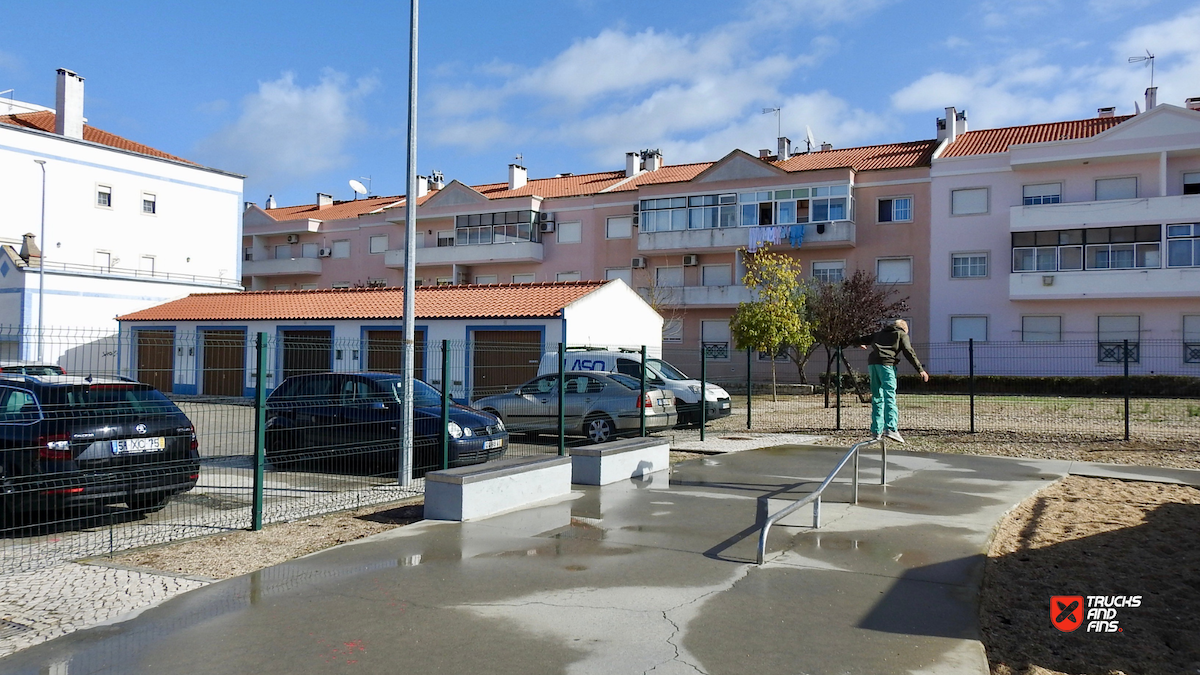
x=546, y=216
x=635, y=220
x=547, y=226
x=691, y=260
x=293, y=239
x=325, y=252
x=638, y=263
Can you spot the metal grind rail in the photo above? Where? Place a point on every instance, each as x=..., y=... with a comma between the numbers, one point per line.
x=815, y=496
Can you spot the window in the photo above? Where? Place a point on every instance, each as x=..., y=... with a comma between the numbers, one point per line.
x=484, y=279
x=283, y=287
x=968, y=202
x=104, y=196
x=341, y=284
x=1045, y=193
x=829, y=203
x=523, y=278
x=668, y=276
x=1191, y=338
x=283, y=252
x=248, y=253
x=146, y=264
x=377, y=282
x=672, y=330
x=103, y=259
x=716, y=275
x=1094, y=248
x=445, y=238
x=341, y=248
x=1111, y=332
x=1183, y=245
x=968, y=265
x=496, y=228
x=570, y=233
x=623, y=273
x=619, y=228
x=895, y=210
x=831, y=271
x=963, y=328
x=1116, y=188
x=149, y=204
x=567, y=276
x=1041, y=329
x=893, y=271
x=309, y=250
x=308, y=287
x=379, y=243
x=714, y=337
x=1191, y=183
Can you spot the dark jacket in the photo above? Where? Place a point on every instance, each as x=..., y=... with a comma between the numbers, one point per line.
x=886, y=347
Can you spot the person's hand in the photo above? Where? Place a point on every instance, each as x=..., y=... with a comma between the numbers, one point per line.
x=862, y=346
x=924, y=376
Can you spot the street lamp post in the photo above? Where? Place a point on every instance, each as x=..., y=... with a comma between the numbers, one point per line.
x=42, y=261
x=410, y=259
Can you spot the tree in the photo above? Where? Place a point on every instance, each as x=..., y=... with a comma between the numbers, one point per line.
x=775, y=319
x=838, y=313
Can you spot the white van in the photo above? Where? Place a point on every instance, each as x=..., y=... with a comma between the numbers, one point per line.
x=659, y=374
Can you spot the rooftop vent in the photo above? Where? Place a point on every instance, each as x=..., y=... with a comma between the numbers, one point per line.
x=764, y=153
x=518, y=176
x=324, y=200
x=1110, y=111
x=1192, y=103
x=826, y=146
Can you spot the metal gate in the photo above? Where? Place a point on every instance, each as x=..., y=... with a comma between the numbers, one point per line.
x=156, y=358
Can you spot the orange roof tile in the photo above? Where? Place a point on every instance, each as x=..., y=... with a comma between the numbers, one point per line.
x=867, y=158
x=676, y=173
x=44, y=121
x=542, y=300
x=557, y=187
x=347, y=209
x=990, y=141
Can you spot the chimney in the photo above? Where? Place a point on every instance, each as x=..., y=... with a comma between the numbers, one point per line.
x=517, y=176
x=1110, y=111
x=951, y=125
x=270, y=202
x=437, y=180
x=826, y=146
x=654, y=160
x=1151, y=98
x=422, y=186
x=246, y=205
x=68, y=105
x=29, y=248
x=764, y=153
x=324, y=200
x=1192, y=103
x=633, y=163
x=785, y=147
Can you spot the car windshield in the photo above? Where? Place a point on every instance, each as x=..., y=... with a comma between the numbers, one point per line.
x=632, y=383
x=424, y=396
x=116, y=398
x=665, y=370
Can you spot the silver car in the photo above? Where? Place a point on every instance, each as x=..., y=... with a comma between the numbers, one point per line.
x=596, y=405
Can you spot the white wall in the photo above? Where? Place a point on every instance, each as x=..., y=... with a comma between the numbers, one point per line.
x=614, y=316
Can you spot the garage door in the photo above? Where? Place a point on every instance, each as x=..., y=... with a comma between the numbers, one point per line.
x=385, y=351
x=502, y=359
x=156, y=358
x=307, y=351
x=224, y=362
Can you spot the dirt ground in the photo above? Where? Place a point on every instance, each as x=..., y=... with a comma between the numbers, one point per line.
x=1090, y=536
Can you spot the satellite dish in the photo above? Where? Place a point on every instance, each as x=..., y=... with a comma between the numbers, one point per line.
x=808, y=137
x=359, y=188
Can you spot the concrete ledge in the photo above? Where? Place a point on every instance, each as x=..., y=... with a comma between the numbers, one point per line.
x=610, y=462
x=483, y=490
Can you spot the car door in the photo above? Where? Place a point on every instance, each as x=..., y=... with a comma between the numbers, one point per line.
x=315, y=411
x=580, y=399
x=535, y=405
x=364, y=416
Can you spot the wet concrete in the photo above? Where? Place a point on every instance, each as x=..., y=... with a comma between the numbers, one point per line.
x=639, y=576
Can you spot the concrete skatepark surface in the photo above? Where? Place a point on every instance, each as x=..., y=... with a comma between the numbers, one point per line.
x=651, y=575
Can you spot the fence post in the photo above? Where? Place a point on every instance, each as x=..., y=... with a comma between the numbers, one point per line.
x=971, y=377
x=749, y=387
x=562, y=396
x=838, y=401
x=642, y=396
x=445, y=405
x=260, y=430
x=703, y=389
x=1125, y=360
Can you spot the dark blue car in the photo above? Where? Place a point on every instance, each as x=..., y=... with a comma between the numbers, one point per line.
x=356, y=417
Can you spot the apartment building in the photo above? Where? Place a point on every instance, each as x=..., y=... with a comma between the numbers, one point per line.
x=126, y=227
x=677, y=233
x=1086, y=230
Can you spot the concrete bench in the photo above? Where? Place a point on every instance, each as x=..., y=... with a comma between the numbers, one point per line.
x=610, y=462
x=483, y=490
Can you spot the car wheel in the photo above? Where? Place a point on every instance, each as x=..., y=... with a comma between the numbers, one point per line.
x=599, y=429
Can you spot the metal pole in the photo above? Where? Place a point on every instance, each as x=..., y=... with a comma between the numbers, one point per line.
x=562, y=398
x=41, y=261
x=642, y=394
x=838, y=400
x=260, y=429
x=971, y=377
x=1125, y=359
x=749, y=387
x=445, y=404
x=703, y=389
x=410, y=260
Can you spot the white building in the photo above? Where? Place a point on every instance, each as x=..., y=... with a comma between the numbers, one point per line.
x=126, y=227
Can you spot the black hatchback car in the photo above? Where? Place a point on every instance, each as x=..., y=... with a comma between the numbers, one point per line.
x=357, y=416
x=69, y=441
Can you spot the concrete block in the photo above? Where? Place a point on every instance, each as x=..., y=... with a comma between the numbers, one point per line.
x=482, y=490
x=610, y=462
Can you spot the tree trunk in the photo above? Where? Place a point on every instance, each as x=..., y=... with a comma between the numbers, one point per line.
x=801, y=360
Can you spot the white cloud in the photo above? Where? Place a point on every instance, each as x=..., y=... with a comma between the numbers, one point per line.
x=287, y=130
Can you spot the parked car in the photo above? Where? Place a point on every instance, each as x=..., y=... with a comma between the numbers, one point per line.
x=68, y=441
x=357, y=415
x=30, y=368
x=596, y=405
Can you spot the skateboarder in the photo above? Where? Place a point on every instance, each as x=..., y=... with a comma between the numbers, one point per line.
x=886, y=347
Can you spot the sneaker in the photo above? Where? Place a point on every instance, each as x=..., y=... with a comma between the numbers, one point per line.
x=894, y=435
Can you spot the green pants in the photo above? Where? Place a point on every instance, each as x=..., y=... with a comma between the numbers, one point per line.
x=884, y=414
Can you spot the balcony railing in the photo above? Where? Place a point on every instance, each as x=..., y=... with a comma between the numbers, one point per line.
x=144, y=275
x=510, y=252
x=277, y=267
x=1109, y=213
x=1172, y=282
x=817, y=235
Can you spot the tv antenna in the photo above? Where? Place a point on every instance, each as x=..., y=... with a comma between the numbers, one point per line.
x=359, y=188
x=1149, y=60
x=778, y=127
x=520, y=157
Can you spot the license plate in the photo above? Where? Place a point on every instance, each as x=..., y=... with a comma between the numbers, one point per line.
x=133, y=446
x=493, y=444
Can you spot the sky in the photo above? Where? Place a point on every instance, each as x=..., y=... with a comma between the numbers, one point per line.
x=302, y=96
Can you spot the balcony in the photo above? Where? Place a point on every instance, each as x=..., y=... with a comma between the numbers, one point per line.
x=474, y=254
x=1111, y=213
x=836, y=234
x=700, y=296
x=279, y=267
x=1175, y=282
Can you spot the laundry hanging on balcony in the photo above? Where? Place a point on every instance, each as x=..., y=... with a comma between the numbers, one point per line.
x=764, y=235
x=795, y=235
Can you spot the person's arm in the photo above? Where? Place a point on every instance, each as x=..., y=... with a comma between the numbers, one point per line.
x=862, y=341
x=909, y=353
